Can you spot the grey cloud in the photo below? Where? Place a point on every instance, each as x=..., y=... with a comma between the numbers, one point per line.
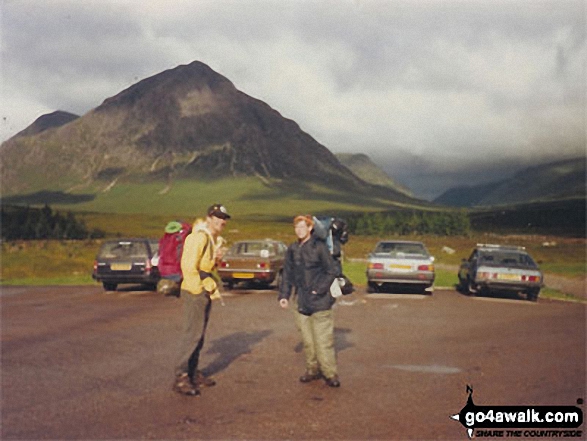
x=382, y=77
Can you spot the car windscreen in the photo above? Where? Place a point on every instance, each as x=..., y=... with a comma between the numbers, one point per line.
x=123, y=249
x=253, y=249
x=507, y=259
x=395, y=249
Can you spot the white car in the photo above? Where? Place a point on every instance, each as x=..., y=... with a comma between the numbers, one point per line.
x=400, y=263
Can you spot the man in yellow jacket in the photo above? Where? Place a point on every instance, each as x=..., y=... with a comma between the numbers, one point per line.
x=200, y=255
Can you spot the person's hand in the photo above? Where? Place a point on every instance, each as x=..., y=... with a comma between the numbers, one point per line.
x=219, y=253
x=284, y=303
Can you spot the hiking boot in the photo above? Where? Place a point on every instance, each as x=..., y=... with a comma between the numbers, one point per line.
x=204, y=381
x=308, y=376
x=184, y=385
x=333, y=381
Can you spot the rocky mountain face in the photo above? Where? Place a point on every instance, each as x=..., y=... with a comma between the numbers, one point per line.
x=553, y=181
x=184, y=123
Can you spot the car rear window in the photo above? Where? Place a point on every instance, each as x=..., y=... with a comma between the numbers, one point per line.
x=123, y=249
x=401, y=249
x=506, y=258
x=255, y=249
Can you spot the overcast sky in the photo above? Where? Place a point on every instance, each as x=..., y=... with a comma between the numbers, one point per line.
x=432, y=85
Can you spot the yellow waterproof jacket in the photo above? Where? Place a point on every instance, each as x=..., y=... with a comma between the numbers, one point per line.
x=197, y=263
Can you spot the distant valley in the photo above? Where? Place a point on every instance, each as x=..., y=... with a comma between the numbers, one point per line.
x=547, y=182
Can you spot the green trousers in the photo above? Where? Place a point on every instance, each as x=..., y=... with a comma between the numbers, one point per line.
x=196, y=313
x=318, y=339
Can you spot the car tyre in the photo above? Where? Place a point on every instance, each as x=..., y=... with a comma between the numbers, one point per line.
x=109, y=286
x=533, y=295
x=468, y=288
x=277, y=281
x=372, y=287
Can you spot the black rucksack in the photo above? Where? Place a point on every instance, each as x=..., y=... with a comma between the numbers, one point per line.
x=334, y=231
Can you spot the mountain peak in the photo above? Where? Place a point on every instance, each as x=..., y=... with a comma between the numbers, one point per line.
x=48, y=121
x=175, y=82
x=188, y=123
x=362, y=166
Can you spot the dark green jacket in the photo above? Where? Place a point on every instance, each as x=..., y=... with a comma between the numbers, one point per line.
x=309, y=268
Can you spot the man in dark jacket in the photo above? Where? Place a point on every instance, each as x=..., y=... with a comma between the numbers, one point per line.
x=309, y=270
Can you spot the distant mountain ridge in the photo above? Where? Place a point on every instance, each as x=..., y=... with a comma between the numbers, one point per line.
x=552, y=181
x=362, y=166
x=185, y=123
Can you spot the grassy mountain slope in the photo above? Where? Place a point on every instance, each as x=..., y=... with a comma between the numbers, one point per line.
x=362, y=166
x=245, y=196
x=186, y=124
x=556, y=180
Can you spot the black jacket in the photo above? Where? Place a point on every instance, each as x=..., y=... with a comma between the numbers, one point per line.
x=309, y=268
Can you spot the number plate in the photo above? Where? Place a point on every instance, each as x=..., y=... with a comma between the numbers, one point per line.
x=121, y=266
x=509, y=276
x=400, y=268
x=243, y=275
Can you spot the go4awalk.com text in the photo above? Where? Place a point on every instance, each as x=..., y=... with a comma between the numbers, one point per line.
x=535, y=433
x=520, y=421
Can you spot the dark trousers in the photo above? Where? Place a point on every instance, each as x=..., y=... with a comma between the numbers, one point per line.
x=196, y=313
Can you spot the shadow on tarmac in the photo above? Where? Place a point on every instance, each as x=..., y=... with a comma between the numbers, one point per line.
x=231, y=347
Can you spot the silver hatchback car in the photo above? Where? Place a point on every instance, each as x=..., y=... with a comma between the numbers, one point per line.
x=493, y=268
x=400, y=263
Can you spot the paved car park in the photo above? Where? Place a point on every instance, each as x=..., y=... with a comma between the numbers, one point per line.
x=81, y=363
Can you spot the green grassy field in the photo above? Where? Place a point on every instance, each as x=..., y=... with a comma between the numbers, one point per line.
x=71, y=262
x=250, y=197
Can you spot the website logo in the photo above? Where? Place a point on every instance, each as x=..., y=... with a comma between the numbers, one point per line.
x=520, y=421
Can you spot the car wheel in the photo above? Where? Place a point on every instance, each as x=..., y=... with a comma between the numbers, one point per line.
x=372, y=287
x=109, y=286
x=533, y=295
x=468, y=288
x=277, y=281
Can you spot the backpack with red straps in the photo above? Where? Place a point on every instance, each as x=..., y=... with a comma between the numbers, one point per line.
x=171, y=248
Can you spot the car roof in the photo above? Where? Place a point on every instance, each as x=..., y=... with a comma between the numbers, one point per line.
x=259, y=241
x=130, y=239
x=401, y=241
x=492, y=247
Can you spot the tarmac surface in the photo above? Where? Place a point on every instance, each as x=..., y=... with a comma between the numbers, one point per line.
x=81, y=363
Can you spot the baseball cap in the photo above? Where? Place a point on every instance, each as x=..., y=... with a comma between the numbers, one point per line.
x=218, y=210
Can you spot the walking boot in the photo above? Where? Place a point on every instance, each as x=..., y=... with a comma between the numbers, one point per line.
x=185, y=386
x=333, y=381
x=309, y=376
